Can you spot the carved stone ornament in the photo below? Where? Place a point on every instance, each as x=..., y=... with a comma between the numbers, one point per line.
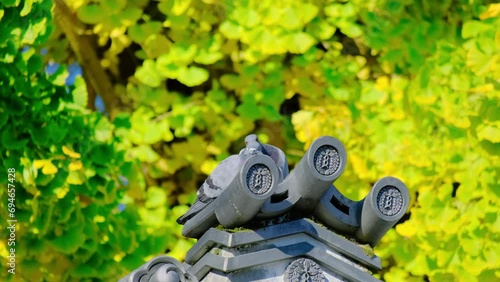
x=259, y=179
x=257, y=221
x=326, y=160
x=304, y=270
x=389, y=200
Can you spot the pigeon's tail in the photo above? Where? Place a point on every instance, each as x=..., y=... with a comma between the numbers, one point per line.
x=193, y=210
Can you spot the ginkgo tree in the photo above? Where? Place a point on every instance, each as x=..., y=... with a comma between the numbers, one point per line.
x=411, y=88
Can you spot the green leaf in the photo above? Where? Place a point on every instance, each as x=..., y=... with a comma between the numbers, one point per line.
x=34, y=64
x=26, y=8
x=167, y=68
x=11, y=3
x=208, y=58
x=182, y=53
x=479, y=62
x=91, y=14
x=103, y=130
x=156, y=197
x=473, y=28
x=249, y=110
x=340, y=94
x=460, y=83
x=3, y=118
x=298, y=43
x=274, y=96
x=69, y=241
x=306, y=11
x=113, y=6
x=148, y=74
x=101, y=154
x=231, y=30
x=271, y=113
x=75, y=178
x=265, y=42
x=219, y=102
x=290, y=20
x=9, y=139
x=193, y=76
x=16, y=105
x=488, y=132
x=130, y=16
x=350, y=29
x=144, y=153
x=179, y=22
x=340, y=10
x=246, y=17
x=84, y=271
x=80, y=96
x=152, y=132
x=320, y=29
x=140, y=32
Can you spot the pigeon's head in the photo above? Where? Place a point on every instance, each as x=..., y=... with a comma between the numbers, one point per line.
x=253, y=145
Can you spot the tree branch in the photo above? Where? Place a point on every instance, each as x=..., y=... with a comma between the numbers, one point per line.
x=94, y=74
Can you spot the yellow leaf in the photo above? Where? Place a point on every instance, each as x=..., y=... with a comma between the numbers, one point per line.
x=180, y=7
x=493, y=11
x=3, y=249
x=488, y=132
x=76, y=165
x=40, y=163
x=208, y=166
x=67, y=151
x=479, y=62
x=359, y=166
x=119, y=256
x=49, y=168
x=382, y=83
x=99, y=219
x=483, y=88
x=61, y=192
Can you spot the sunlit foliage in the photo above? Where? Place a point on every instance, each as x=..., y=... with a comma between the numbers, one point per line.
x=410, y=87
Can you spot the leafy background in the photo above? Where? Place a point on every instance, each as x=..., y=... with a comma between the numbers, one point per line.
x=114, y=111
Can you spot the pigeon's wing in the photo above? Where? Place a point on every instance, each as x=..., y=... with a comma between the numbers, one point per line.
x=215, y=183
x=278, y=157
x=223, y=174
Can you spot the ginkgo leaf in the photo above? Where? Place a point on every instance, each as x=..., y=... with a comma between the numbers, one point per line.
x=193, y=76
x=148, y=74
x=68, y=152
x=299, y=42
x=75, y=165
x=40, y=163
x=91, y=14
x=49, y=168
x=488, y=132
x=493, y=11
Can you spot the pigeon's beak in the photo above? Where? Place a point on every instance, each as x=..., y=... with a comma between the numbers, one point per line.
x=252, y=151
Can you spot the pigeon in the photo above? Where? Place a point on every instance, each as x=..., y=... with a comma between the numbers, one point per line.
x=275, y=153
x=219, y=180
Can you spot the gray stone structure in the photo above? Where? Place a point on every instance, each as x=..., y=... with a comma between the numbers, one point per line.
x=300, y=228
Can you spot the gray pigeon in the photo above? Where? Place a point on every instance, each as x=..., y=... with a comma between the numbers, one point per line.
x=219, y=180
x=275, y=153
